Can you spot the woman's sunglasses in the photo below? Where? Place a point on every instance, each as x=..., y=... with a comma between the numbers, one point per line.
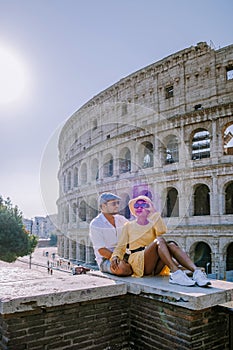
x=141, y=205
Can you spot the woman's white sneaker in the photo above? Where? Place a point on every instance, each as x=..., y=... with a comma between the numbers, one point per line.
x=179, y=277
x=200, y=278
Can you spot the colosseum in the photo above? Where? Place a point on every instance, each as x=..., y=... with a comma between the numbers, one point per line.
x=165, y=131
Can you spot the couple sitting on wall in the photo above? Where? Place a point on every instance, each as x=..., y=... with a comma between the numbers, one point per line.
x=113, y=237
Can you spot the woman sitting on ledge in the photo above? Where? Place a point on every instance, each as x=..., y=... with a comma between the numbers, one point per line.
x=150, y=253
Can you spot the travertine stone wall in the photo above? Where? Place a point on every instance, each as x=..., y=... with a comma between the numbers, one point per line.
x=170, y=100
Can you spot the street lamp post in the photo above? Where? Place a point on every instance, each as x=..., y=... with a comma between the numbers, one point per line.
x=30, y=256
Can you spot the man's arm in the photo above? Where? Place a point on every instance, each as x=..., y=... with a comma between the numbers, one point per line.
x=105, y=252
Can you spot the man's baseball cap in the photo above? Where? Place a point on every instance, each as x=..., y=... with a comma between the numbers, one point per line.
x=107, y=196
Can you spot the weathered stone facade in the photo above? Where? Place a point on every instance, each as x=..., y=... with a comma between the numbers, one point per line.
x=167, y=130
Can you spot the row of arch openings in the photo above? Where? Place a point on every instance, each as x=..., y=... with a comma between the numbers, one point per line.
x=201, y=201
x=202, y=256
x=200, y=148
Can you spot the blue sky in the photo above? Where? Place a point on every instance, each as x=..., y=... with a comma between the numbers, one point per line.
x=69, y=51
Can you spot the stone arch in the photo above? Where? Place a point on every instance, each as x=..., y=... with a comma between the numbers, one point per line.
x=172, y=202
x=171, y=149
x=200, y=144
x=95, y=169
x=229, y=257
x=66, y=248
x=201, y=255
x=146, y=152
x=82, y=251
x=125, y=160
x=69, y=181
x=61, y=245
x=83, y=174
x=75, y=177
x=74, y=212
x=142, y=190
x=201, y=200
x=94, y=124
x=64, y=182
x=63, y=219
x=229, y=198
x=93, y=208
x=83, y=211
x=227, y=136
x=67, y=214
x=73, y=252
x=124, y=208
x=108, y=165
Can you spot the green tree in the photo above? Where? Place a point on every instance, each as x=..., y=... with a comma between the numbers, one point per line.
x=15, y=241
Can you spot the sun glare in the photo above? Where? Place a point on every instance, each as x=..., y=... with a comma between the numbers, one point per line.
x=13, y=77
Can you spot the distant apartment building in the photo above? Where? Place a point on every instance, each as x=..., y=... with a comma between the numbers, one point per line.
x=41, y=226
x=28, y=224
x=165, y=131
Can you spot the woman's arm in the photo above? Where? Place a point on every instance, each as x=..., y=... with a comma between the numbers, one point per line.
x=120, y=249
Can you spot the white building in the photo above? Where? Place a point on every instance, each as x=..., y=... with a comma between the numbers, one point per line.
x=41, y=226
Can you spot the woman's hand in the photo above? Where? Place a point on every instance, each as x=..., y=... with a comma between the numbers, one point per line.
x=115, y=261
x=152, y=209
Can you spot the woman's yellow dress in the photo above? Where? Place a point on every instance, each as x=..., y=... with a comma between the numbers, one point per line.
x=136, y=236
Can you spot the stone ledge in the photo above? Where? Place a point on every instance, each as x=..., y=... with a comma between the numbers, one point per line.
x=158, y=288
x=22, y=290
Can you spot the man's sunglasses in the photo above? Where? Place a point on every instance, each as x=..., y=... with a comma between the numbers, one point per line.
x=114, y=203
x=141, y=205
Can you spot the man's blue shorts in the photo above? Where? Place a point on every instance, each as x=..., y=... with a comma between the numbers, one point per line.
x=105, y=266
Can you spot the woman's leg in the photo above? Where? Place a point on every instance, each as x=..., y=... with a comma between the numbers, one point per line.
x=156, y=256
x=182, y=258
x=151, y=258
x=198, y=276
x=158, y=268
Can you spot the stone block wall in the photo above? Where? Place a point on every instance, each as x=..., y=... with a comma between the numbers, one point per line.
x=155, y=325
x=97, y=324
x=99, y=311
x=129, y=322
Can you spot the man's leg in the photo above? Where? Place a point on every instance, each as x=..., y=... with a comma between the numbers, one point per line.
x=124, y=268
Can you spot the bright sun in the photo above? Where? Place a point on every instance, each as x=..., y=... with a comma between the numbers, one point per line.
x=13, y=77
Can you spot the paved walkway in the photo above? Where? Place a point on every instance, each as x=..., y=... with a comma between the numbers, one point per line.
x=45, y=264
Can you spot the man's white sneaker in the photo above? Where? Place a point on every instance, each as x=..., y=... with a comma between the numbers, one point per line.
x=200, y=278
x=179, y=277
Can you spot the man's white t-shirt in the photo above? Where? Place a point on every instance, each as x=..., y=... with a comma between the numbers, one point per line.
x=105, y=235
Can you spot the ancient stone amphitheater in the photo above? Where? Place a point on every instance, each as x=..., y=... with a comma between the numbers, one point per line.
x=166, y=131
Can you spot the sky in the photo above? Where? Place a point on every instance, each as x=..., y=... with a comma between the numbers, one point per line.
x=55, y=55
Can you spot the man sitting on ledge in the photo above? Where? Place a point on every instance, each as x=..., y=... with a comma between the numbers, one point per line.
x=105, y=231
